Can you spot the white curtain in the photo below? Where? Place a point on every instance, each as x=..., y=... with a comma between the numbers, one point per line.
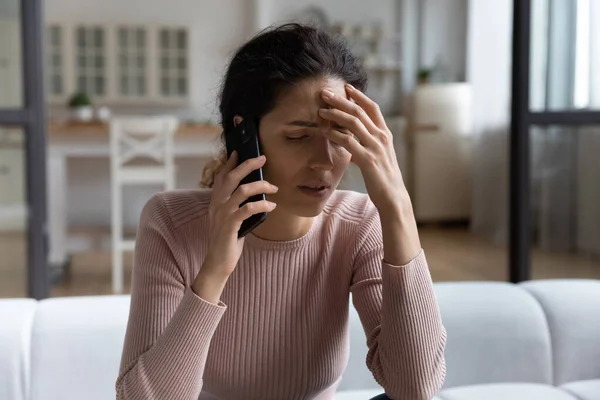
x=565, y=161
x=565, y=171
x=588, y=206
x=489, y=40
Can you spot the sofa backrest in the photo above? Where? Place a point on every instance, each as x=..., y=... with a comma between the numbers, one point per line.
x=16, y=319
x=497, y=332
x=572, y=310
x=543, y=331
x=76, y=347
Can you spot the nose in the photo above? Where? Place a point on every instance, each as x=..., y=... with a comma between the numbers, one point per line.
x=322, y=154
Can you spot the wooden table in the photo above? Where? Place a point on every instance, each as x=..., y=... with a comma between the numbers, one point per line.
x=83, y=140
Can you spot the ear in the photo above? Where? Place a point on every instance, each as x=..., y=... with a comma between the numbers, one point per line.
x=237, y=119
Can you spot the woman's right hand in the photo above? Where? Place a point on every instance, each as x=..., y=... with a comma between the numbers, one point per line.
x=226, y=217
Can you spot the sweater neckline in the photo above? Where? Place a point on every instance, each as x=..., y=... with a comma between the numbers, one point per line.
x=257, y=242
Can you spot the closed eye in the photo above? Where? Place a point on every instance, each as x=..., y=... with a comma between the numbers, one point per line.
x=295, y=138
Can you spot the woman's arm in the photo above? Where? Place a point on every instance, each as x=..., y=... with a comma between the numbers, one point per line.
x=170, y=327
x=393, y=294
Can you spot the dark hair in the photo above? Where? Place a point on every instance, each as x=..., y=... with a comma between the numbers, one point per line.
x=275, y=59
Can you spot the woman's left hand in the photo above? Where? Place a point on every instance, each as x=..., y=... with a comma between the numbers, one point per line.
x=370, y=142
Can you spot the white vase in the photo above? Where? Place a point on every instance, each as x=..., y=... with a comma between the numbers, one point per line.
x=84, y=114
x=103, y=114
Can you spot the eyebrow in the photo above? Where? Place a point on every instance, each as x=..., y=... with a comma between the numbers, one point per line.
x=307, y=124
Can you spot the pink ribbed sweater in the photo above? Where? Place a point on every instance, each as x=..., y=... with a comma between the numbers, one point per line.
x=280, y=331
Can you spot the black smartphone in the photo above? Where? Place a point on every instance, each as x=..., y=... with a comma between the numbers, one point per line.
x=244, y=139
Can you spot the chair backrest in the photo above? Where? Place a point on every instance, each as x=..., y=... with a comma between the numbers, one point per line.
x=143, y=138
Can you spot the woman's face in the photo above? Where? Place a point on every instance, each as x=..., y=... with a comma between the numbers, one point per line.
x=301, y=161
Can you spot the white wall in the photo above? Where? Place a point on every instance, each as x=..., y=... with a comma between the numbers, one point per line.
x=444, y=35
x=489, y=71
x=341, y=10
x=9, y=9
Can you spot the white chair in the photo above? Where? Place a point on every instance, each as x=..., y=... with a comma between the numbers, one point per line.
x=132, y=141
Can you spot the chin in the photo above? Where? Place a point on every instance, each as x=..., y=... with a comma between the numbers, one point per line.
x=307, y=208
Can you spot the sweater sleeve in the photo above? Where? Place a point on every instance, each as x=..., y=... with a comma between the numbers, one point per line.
x=169, y=328
x=400, y=315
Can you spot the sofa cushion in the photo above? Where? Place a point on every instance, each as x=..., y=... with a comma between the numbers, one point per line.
x=361, y=395
x=76, y=347
x=506, y=391
x=497, y=332
x=572, y=307
x=16, y=319
x=584, y=390
x=357, y=394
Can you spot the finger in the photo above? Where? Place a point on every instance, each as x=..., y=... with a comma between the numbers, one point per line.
x=350, y=122
x=348, y=142
x=249, y=209
x=231, y=162
x=218, y=195
x=234, y=177
x=370, y=107
x=350, y=107
x=244, y=192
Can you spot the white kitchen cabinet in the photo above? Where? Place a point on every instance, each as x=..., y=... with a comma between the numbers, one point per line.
x=118, y=64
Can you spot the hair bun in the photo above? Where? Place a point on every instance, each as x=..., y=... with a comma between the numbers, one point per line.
x=211, y=169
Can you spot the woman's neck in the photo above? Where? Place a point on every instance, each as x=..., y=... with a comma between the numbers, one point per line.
x=283, y=226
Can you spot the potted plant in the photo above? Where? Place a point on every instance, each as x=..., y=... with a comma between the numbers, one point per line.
x=424, y=76
x=81, y=105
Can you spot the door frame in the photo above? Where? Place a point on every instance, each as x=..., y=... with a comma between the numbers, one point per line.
x=31, y=117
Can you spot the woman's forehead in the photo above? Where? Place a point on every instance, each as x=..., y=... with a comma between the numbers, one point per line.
x=303, y=100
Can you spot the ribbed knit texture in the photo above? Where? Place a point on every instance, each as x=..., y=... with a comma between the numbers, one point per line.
x=280, y=331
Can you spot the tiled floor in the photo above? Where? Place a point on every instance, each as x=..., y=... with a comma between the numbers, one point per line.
x=453, y=255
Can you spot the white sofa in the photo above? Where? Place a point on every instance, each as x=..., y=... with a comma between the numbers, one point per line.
x=536, y=340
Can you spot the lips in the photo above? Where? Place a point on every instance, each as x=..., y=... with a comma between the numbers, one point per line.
x=316, y=185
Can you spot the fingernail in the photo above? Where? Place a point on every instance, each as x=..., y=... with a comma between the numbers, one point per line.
x=350, y=87
x=322, y=111
x=272, y=204
x=274, y=187
x=327, y=94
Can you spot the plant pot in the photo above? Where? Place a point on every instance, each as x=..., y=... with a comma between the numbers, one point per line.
x=103, y=114
x=83, y=114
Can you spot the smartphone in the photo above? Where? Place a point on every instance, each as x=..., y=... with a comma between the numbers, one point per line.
x=244, y=139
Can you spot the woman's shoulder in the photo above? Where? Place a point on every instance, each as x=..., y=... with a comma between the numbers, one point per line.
x=349, y=205
x=180, y=206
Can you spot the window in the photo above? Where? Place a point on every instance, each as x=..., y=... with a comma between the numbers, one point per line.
x=55, y=61
x=132, y=70
x=582, y=55
x=90, y=64
x=173, y=65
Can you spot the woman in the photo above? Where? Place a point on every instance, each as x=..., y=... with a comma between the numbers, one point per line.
x=265, y=317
